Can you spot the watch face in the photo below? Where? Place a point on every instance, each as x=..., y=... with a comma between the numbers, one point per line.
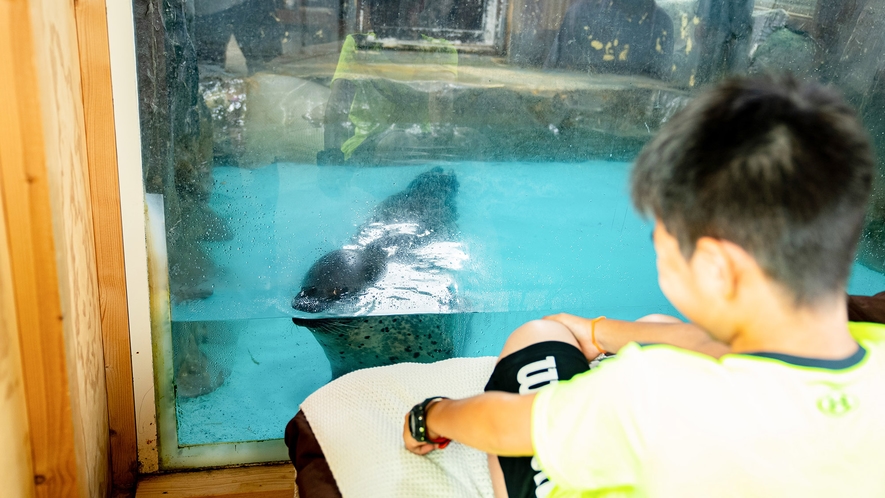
x=413, y=425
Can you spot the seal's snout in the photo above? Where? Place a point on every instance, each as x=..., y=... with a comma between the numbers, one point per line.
x=310, y=304
x=338, y=275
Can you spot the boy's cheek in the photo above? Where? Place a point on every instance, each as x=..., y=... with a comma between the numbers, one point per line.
x=674, y=289
x=670, y=292
x=667, y=284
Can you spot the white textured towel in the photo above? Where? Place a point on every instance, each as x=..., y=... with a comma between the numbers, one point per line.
x=358, y=421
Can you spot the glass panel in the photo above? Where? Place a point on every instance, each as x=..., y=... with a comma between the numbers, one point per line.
x=354, y=183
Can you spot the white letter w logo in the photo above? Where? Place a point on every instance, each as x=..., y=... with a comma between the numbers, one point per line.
x=536, y=375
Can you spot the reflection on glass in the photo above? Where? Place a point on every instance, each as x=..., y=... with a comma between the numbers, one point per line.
x=253, y=24
x=386, y=105
x=723, y=34
x=627, y=37
x=410, y=180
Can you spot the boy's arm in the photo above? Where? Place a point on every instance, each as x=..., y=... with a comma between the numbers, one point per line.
x=500, y=423
x=612, y=335
x=494, y=422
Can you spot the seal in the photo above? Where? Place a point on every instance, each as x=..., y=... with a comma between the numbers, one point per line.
x=389, y=296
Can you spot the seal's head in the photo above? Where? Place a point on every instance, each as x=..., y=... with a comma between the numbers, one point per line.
x=338, y=274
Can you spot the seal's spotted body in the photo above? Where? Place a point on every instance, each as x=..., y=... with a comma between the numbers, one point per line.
x=354, y=343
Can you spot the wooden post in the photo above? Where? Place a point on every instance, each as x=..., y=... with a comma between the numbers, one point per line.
x=98, y=103
x=16, y=469
x=51, y=250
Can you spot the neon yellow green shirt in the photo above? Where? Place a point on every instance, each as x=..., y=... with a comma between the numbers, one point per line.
x=658, y=421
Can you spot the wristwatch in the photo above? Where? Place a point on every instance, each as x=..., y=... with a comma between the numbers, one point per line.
x=418, y=423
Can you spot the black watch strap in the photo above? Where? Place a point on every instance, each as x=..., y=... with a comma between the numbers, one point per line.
x=418, y=421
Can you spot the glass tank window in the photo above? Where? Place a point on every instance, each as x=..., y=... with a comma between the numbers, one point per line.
x=341, y=184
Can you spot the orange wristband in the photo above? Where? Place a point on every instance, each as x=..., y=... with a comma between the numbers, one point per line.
x=593, y=334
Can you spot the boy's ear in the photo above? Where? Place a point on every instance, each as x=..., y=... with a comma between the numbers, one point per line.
x=714, y=267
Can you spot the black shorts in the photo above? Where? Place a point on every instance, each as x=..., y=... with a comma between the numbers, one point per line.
x=523, y=372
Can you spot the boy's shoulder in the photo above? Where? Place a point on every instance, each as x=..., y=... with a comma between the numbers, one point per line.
x=865, y=333
x=868, y=333
x=657, y=356
x=683, y=369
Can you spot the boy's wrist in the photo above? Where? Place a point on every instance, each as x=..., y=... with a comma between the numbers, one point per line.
x=596, y=324
x=431, y=434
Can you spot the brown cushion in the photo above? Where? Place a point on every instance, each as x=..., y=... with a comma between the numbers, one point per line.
x=314, y=478
x=867, y=308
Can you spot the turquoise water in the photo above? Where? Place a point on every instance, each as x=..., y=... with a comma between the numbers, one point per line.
x=539, y=238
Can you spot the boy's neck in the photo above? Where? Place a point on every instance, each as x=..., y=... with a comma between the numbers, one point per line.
x=819, y=331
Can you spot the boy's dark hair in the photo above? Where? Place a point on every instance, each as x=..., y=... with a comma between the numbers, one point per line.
x=781, y=168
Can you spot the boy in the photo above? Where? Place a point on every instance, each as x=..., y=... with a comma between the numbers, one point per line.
x=758, y=190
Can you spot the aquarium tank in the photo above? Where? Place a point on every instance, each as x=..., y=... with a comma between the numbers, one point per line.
x=341, y=184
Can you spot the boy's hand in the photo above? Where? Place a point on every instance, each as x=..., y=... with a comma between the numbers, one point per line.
x=581, y=328
x=413, y=445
